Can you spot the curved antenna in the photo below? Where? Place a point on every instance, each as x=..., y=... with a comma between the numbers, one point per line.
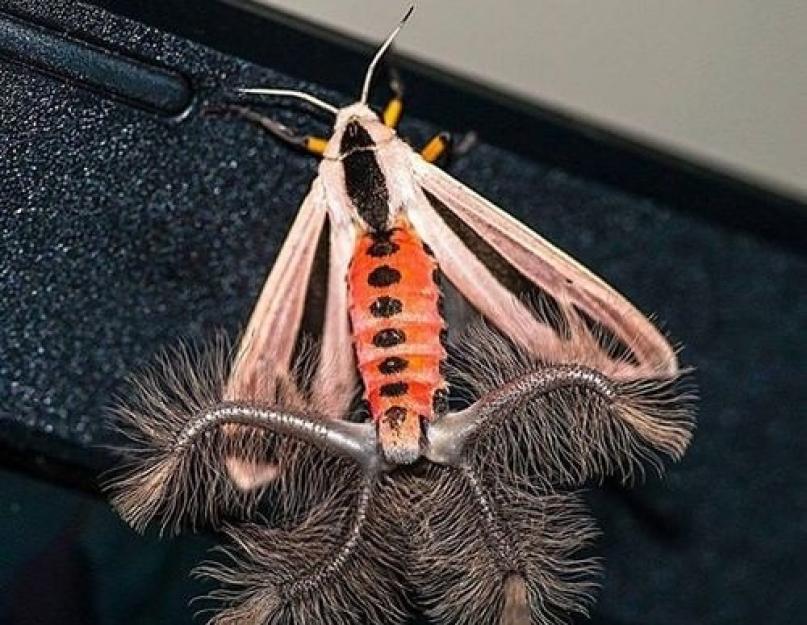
x=365, y=90
x=290, y=93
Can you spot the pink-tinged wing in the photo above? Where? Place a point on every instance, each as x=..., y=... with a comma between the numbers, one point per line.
x=576, y=315
x=263, y=366
x=264, y=358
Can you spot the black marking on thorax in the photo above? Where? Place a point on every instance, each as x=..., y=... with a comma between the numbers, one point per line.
x=364, y=181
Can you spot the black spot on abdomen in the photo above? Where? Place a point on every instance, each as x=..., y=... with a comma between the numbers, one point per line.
x=392, y=365
x=389, y=337
x=384, y=276
x=394, y=389
x=395, y=415
x=386, y=307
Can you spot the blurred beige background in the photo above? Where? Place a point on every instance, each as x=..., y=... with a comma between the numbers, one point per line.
x=724, y=81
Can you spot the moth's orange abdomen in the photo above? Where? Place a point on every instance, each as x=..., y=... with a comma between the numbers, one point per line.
x=397, y=332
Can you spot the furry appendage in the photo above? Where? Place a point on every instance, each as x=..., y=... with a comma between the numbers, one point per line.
x=336, y=566
x=182, y=483
x=496, y=552
x=573, y=434
x=485, y=535
x=464, y=548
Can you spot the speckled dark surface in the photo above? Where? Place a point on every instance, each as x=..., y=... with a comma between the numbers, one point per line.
x=121, y=230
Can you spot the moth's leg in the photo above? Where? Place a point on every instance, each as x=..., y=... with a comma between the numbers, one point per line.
x=394, y=109
x=324, y=570
x=573, y=423
x=310, y=143
x=442, y=146
x=176, y=472
x=449, y=437
x=353, y=440
x=439, y=146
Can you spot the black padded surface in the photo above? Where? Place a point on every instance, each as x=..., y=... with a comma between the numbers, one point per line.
x=123, y=228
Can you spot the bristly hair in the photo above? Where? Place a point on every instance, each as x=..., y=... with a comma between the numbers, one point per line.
x=463, y=548
x=189, y=484
x=489, y=539
x=340, y=565
x=573, y=434
x=486, y=551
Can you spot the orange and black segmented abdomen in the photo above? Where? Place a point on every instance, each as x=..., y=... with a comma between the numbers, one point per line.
x=398, y=331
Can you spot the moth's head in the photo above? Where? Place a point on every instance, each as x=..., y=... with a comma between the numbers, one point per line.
x=353, y=122
x=357, y=128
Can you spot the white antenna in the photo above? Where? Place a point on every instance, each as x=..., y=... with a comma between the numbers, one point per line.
x=365, y=90
x=289, y=93
x=314, y=100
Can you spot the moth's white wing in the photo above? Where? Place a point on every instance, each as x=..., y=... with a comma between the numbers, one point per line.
x=597, y=322
x=265, y=353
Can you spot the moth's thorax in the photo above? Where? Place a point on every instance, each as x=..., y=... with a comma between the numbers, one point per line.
x=365, y=171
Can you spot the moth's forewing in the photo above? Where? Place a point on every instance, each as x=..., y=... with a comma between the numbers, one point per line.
x=267, y=346
x=492, y=258
x=263, y=370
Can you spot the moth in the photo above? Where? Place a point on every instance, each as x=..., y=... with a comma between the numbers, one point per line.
x=458, y=503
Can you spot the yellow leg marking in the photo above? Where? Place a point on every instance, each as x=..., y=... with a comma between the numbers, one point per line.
x=392, y=112
x=316, y=145
x=435, y=148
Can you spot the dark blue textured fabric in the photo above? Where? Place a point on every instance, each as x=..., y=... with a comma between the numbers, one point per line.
x=122, y=230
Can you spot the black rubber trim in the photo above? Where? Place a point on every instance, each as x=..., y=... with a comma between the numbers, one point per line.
x=104, y=71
